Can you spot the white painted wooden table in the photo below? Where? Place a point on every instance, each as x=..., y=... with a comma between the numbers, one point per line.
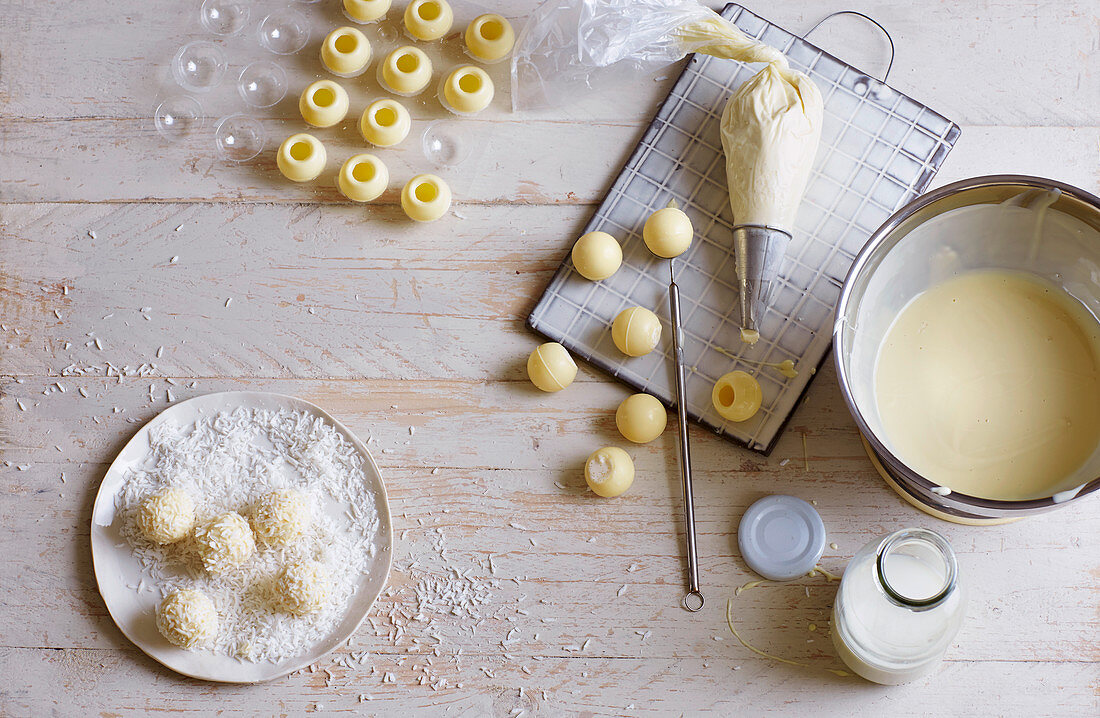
x=391, y=326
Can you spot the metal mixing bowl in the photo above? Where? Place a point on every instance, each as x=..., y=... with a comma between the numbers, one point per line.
x=895, y=265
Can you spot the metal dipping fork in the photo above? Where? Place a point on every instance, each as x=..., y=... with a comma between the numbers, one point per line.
x=693, y=599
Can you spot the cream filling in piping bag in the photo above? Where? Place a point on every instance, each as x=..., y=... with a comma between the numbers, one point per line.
x=770, y=131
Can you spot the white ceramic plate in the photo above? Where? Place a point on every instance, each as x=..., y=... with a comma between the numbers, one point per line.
x=116, y=568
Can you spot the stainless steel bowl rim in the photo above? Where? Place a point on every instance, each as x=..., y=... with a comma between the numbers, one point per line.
x=870, y=249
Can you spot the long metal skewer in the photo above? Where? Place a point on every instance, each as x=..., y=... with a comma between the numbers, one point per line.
x=693, y=599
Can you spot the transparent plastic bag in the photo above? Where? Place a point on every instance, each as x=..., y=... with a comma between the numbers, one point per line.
x=571, y=45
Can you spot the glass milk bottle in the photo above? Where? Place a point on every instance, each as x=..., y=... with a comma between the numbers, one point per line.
x=899, y=606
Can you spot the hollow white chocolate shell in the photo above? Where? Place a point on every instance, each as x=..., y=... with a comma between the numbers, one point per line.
x=736, y=396
x=301, y=157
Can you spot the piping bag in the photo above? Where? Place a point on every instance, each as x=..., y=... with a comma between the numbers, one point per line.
x=770, y=132
x=770, y=128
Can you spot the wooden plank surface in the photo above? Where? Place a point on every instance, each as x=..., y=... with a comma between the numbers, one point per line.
x=356, y=309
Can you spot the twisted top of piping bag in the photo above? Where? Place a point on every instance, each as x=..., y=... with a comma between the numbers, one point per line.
x=568, y=46
x=770, y=132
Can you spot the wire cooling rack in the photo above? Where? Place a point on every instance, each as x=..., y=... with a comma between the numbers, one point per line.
x=879, y=149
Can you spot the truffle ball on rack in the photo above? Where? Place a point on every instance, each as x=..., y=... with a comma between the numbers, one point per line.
x=736, y=396
x=596, y=256
x=667, y=232
x=636, y=331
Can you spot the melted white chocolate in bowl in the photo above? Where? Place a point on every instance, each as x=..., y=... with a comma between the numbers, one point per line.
x=988, y=383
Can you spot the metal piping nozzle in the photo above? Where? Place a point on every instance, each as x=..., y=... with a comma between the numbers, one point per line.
x=758, y=251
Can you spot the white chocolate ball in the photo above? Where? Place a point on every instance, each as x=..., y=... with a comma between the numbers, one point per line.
x=188, y=619
x=736, y=396
x=303, y=588
x=167, y=516
x=609, y=471
x=641, y=418
x=597, y=256
x=636, y=331
x=281, y=516
x=225, y=542
x=551, y=368
x=667, y=232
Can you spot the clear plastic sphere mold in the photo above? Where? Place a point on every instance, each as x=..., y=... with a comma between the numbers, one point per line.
x=224, y=17
x=284, y=32
x=239, y=138
x=177, y=117
x=199, y=66
x=388, y=31
x=443, y=146
x=262, y=84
